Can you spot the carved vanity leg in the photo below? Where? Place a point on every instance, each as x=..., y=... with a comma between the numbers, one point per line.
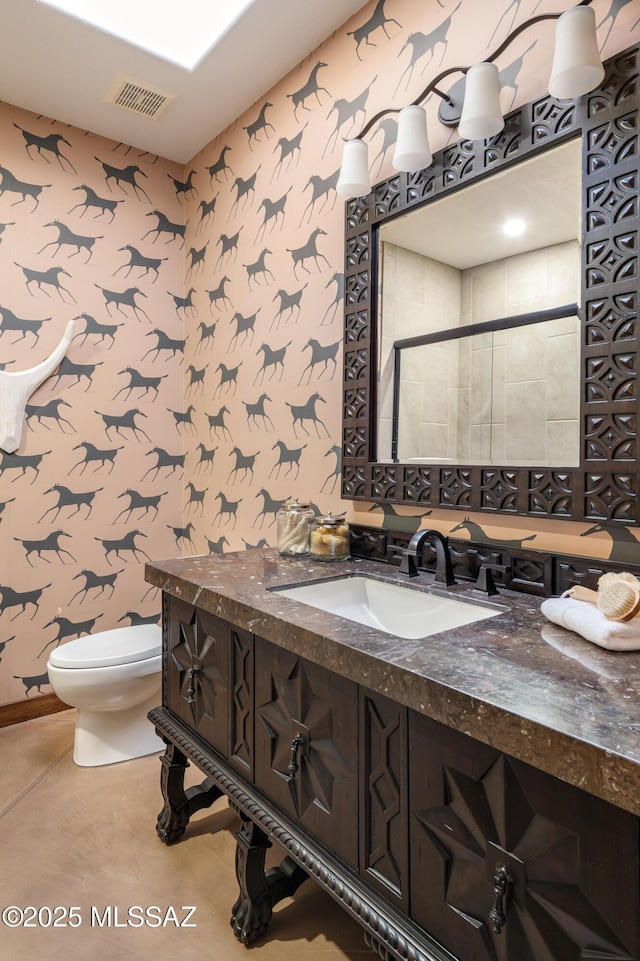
x=174, y=816
x=251, y=913
x=259, y=892
x=179, y=804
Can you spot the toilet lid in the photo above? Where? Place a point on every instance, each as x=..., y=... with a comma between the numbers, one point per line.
x=120, y=646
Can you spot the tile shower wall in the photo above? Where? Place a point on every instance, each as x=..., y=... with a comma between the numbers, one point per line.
x=468, y=401
x=419, y=296
x=256, y=297
x=525, y=363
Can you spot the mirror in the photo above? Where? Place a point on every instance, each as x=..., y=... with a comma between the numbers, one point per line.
x=501, y=397
x=455, y=385
x=603, y=486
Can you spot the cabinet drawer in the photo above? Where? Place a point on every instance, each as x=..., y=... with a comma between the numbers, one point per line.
x=306, y=746
x=197, y=672
x=558, y=867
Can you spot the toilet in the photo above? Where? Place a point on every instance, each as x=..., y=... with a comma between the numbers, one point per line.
x=113, y=679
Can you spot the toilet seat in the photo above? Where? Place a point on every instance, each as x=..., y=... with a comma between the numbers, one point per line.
x=122, y=645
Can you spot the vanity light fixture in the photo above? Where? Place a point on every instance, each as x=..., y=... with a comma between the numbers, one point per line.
x=473, y=102
x=412, y=146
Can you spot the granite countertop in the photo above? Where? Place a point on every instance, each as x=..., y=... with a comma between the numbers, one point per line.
x=515, y=681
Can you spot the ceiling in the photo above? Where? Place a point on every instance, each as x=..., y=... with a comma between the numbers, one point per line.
x=55, y=65
x=464, y=229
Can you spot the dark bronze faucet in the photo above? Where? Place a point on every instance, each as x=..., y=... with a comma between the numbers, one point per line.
x=413, y=552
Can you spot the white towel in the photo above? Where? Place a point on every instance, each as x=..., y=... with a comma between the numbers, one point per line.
x=585, y=619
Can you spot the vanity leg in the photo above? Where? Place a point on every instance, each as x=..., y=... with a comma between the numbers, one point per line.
x=259, y=892
x=179, y=804
x=174, y=816
x=251, y=913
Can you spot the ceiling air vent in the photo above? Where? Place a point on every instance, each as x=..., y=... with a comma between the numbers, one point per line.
x=138, y=97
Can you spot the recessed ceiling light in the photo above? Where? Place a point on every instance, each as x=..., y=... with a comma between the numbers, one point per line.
x=181, y=33
x=515, y=227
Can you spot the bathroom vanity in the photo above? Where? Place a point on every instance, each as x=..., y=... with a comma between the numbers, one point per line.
x=472, y=794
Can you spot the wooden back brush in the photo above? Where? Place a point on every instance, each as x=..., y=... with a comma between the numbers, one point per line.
x=618, y=596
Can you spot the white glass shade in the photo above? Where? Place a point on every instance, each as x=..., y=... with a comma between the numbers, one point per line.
x=354, y=173
x=481, y=113
x=412, y=145
x=577, y=68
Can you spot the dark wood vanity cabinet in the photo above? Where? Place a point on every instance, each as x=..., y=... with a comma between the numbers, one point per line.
x=510, y=863
x=439, y=845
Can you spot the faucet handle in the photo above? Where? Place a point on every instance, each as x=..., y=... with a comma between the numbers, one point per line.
x=408, y=562
x=485, y=583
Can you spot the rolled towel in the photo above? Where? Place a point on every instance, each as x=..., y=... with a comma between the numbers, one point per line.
x=590, y=623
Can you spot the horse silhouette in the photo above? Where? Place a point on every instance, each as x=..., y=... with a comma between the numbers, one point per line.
x=302, y=412
x=220, y=166
x=377, y=19
x=260, y=123
x=125, y=175
x=91, y=199
x=165, y=226
x=624, y=544
x=310, y=89
x=12, y=185
x=477, y=535
x=126, y=543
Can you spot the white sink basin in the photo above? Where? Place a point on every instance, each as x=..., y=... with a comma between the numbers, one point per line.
x=393, y=608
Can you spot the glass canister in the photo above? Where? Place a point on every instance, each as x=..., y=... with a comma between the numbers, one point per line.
x=293, y=529
x=329, y=538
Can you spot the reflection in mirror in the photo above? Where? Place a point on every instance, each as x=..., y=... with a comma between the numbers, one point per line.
x=484, y=388
x=504, y=397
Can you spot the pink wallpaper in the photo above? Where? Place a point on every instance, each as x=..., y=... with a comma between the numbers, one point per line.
x=81, y=501
x=253, y=408
x=269, y=274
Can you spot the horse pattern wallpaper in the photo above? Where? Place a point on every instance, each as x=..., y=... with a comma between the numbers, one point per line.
x=203, y=385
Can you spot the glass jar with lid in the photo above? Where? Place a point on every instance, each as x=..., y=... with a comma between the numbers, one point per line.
x=329, y=538
x=293, y=528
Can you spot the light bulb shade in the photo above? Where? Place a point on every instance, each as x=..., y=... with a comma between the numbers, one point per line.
x=481, y=113
x=354, y=173
x=577, y=68
x=412, y=144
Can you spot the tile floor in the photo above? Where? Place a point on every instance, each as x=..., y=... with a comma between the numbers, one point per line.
x=85, y=837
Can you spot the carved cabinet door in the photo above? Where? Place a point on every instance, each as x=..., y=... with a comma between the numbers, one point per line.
x=306, y=746
x=511, y=864
x=197, y=672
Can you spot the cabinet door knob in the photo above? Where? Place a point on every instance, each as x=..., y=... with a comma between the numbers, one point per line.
x=296, y=744
x=191, y=689
x=501, y=880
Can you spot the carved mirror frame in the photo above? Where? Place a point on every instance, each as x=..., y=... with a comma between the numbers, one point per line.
x=604, y=487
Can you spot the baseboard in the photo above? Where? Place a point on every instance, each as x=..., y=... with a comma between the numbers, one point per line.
x=27, y=710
